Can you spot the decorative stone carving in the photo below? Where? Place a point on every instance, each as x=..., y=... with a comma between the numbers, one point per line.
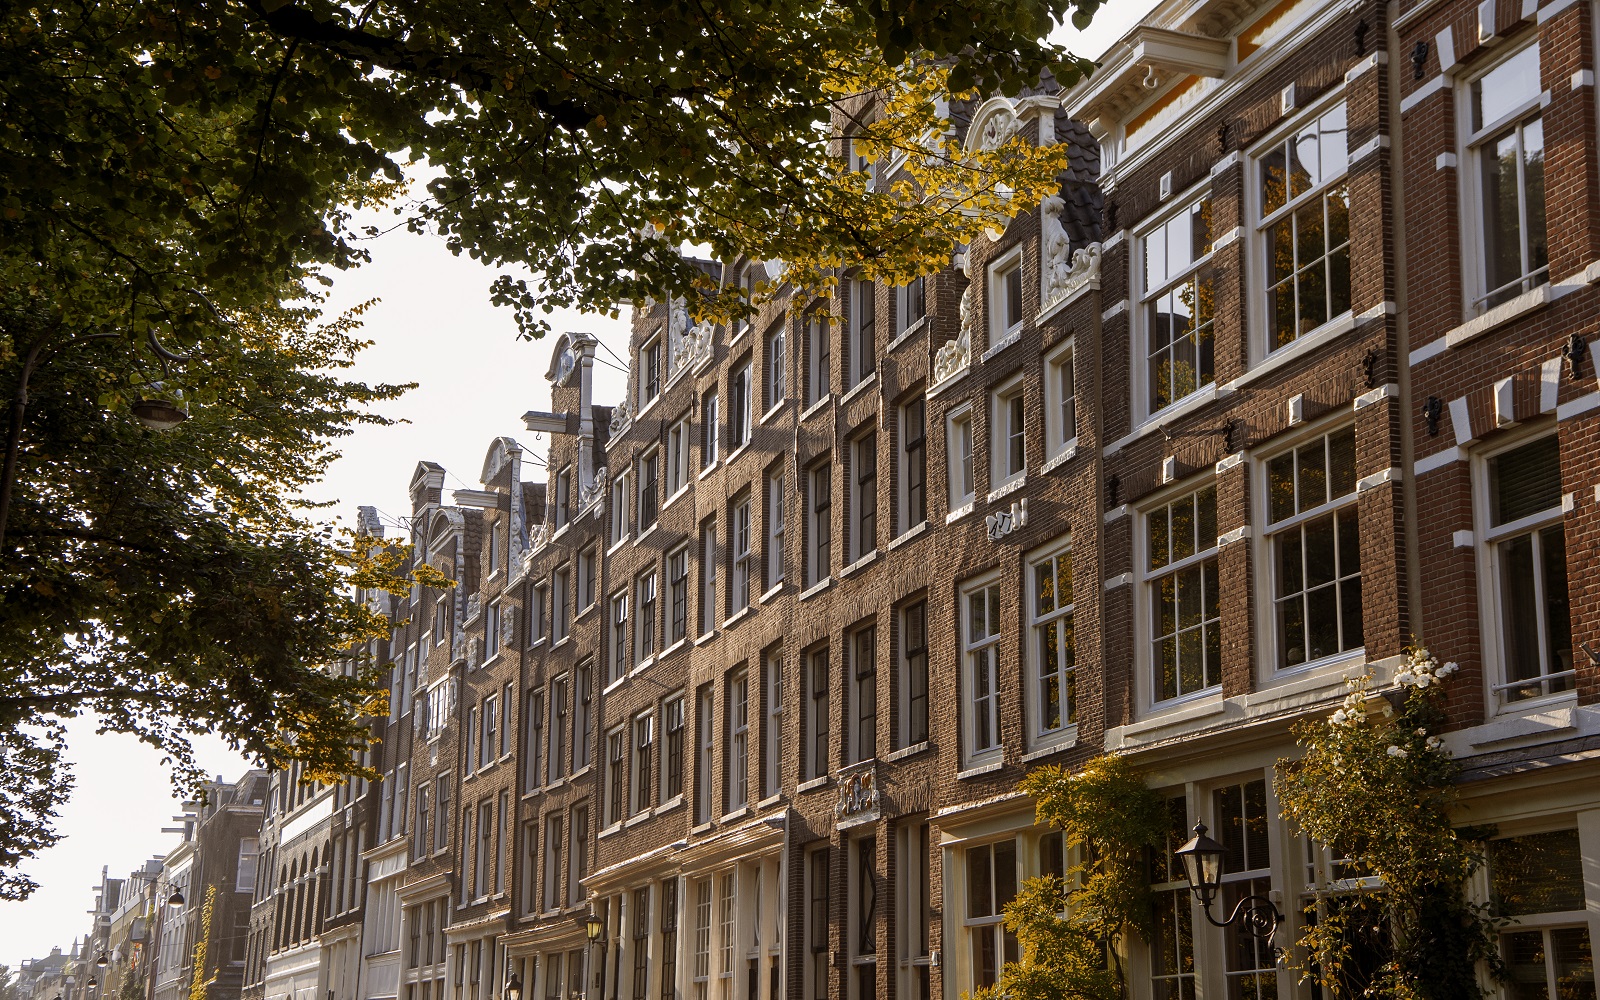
x=1003, y=523
x=956, y=355
x=998, y=128
x=857, y=794
x=1064, y=272
x=594, y=492
x=622, y=413
x=508, y=626
x=539, y=536
x=692, y=347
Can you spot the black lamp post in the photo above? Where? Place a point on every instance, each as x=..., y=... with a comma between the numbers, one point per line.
x=595, y=929
x=513, y=988
x=1202, y=865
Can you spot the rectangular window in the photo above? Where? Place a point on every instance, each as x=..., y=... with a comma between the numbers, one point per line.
x=491, y=631
x=616, y=762
x=677, y=596
x=1315, y=549
x=419, y=833
x=644, y=645
x=441, y=620
x=502, y=850
x=552, y=863
x=913, y=465
x=534, y=775
x=736, y=762
x=621, y=507
x=819, y=530
x=708, y=577
x=772, y=728
x=577, y=854
x=1005, y=297
x=991, y=874
x=725, y=915
x=980, y=633
x=914, y=906
x=708, y=429
x=669, y=938
x=817, y=924
x=583, y=725
x=619, y=637
x=739, y=579
x=776, y=356
x=815, y=750
x=702, y=939
x=586, y=579
x=773, y=550
x=749, y=278
x=863, y=736
x=245, y=874
x=649, y=489
x=486, y=828
x=539, y=602
x=1525, y=547
x=1506, y=145
x=678, y=437
x=650, y=371
x=913, y=727
x=739, y=407
x=562, y=603
x=958, y=457
x=863, y=330
x=1007, y=447
x=641, y=942
x=561, y=503
x=644, y=736
x=1305, y=227
x=672, y=750
x=497, y=535
x=1172, y=971
x=558, y=728
x=1052, y=664
x=864, y=497
x=1177, y=306
x=1243, y=818
x=491, y=731
x=1060, y=403
x=705, y=729
x=819, y=360
x=1182, y=586
x=911, y=303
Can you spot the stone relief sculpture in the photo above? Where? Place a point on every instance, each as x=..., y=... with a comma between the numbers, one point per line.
x=1063, y=271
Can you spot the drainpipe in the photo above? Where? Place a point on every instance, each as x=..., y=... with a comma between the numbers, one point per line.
x=1402, y=325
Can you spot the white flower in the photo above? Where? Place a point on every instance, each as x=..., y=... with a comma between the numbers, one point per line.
x=1449, y=668
x=1395, y=751
x=1405, y=677
x=1421, y=731
x=1435, y=743
x=1339, y=717
x=1424, y=680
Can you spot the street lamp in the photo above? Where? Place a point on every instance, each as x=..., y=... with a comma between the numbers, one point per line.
x=1202, y=865
x=595, y=929
x=102, y=961
x=514, y=988
x=175, y=901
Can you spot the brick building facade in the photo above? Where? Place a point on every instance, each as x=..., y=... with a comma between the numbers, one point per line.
x=1295, y=368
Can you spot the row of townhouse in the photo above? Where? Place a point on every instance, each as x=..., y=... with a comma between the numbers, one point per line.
x=1298, y=366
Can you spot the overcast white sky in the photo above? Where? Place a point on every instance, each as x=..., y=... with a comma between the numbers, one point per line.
x=434, y=326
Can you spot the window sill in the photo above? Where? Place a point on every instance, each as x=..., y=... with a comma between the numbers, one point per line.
x=1068, y=452
x=642, y=666
x=816, y=407
x=682, y=491
x=776, y=409
x=705, y=827
x=580, y=616
x=907, y=334
x=561, y=532
x=735, y=453
x=770, y=800
x=960, y=512
x=739, y=813
x=1505, y=312
x=1009, y=487
x=813, y=784
x=644, y=535
x=709, y=469
x=777, y=589
x=737, y=617
x=979, y=769
x=680, y=644
x=646, y=408
x=614, y=685
x=1065, y=739
x=1331, y=330
x=676, y=802
x=866, y=383
x=816, y=588
x=636, y=819
x=564, y=640
x=1155, y=421
x=737, y=338
x=610, y=831
x=1014, y=336
x=910, y=535
x=705, y=637
x=618, y=544
x=904, y=752
x=859, y=564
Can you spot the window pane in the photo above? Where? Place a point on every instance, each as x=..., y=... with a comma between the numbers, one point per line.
x=1541, y=873
x=1525, y=480
x=1506, y=88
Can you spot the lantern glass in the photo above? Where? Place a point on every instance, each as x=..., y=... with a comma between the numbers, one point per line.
x=594, y=927
x=1202, y=864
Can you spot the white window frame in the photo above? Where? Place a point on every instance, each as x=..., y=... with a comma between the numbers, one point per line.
x=740, y=389
x=497, y=534
x=1492, y=614
x=651, y=348
x=650, y=458
x=775, y=355
x=818, y=327
x=676, y=473
x=913, y=291
x=621, y=629
x=972, y=928
x=708, y=578
x=1470, y=179
x=740, y=525
x=1261, y=222
x=677, y=589
x=736, y=763
x=818, y=895
x=861, y=894
x=705, y=728
x=1145, y=296
x=588, y=566
x=863, y=329
x=621, y=508
x=641, y=748
x=1060, y=403
x=1270, y=640
x=673, y=730
x=864, y=526
x=906, y=518
x=772, y=550
x=960, y=443
x=819, y=523
x=646, y=606
x=772, y=719
x=1054, y=553
x=746, y=281
x=561, y=503
x=616, y=779
x=561, y=604
x=913, y=906
x=491, y=631
x=817, y=697
x=999, y=275
x=1004, y=431
x=861, y=659
x=980, y=704
x=1146, y=607
x=710, y=427
x=909, y=648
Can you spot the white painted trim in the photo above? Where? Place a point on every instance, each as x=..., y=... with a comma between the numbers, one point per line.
x=1366, y=65
x=1226, y=163
x=1583, y=78
x=1445, y=161
x=1463, y=539
x=1436, y=85
x=1231, y=236
x=1549, y=384
x=1428, y=351
x=1119, y=511
x=1583, y=404
x=1238, y=534
x=1437, y=460
x=1229, y=461
x=1377, y=479
x=1115, y=311
x=1382, y=392
x=1505, y=312
x=1120, y=580
x=1461, y=421
x=1368, y=148
x=1554, y=10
